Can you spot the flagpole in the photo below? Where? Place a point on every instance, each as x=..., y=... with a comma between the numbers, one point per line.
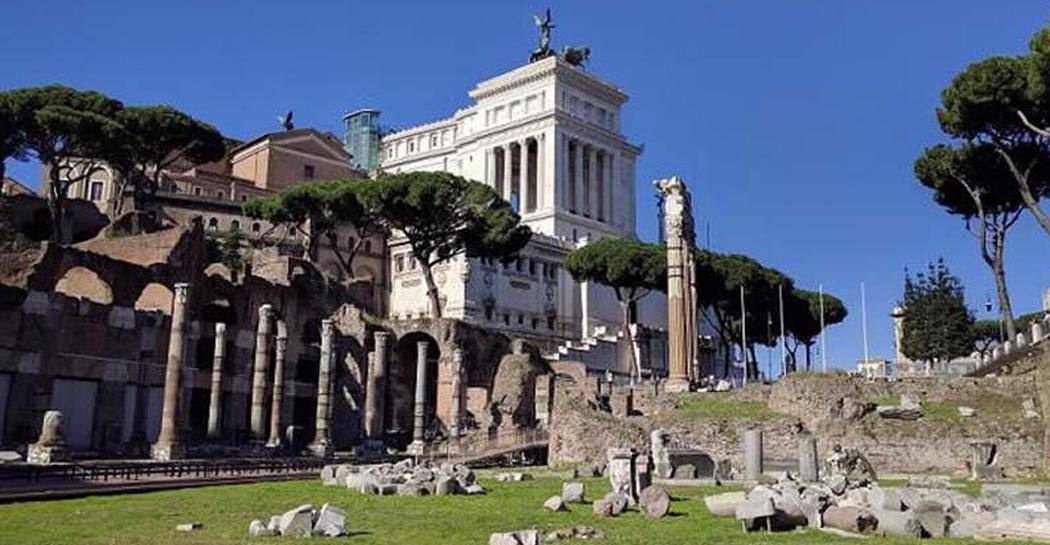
x=864, y=319
x=823, y=346
x=783, y=345
x=743, y=332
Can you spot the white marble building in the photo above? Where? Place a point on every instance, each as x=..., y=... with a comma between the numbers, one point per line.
x=547, y=137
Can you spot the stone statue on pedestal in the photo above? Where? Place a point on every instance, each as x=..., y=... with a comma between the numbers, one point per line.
x=545, y=26
x=51, y=446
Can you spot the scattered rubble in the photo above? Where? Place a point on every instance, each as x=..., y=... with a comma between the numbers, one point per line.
x=188, y=527
x=303, y=521
x=909, y=409
x=850, y=502
x=555, y=504
x=575, y=532
x=406, y=479
x=572, y=492
x=520, y=537
x=513, y=477
x=967, y=412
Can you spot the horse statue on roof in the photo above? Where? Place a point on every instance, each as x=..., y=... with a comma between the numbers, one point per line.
x=576, y=56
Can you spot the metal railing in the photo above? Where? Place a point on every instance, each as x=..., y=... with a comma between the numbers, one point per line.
x=487, y=444
x=183, y=469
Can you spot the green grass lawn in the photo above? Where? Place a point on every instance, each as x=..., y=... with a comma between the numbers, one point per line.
x=724, y=405
x=225, y=512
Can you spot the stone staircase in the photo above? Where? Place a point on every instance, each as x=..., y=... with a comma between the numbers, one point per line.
x=1003, y=357
x=598, y=352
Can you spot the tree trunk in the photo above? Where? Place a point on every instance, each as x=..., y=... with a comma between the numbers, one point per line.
x=809, y=357
x=999, y=270
x=55, y=205
x=636, y=367
x=432, y=291
x=1030, y=201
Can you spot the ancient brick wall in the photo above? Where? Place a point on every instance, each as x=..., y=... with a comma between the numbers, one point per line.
x=837, y=410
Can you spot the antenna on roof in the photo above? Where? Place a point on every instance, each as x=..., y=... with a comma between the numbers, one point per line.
x=286, y=121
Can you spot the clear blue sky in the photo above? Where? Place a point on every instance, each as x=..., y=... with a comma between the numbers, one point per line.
x=795, y=123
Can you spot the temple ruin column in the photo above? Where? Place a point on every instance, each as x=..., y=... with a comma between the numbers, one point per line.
x=456, y=407
x=277, y=404
x=585, y=310
x=419, y=416
x=752, y=454
x=215, y=402
x=678, y=229
x=577, y=178
x=169, y=444
x=374, y=391
x=322, y=443
x=808, y=465
x=523, y=181
x=262, y=361
x=508, y=172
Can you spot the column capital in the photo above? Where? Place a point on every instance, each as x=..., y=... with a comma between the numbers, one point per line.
x=220, y=329
x=266, y=312
x=381, y=338
x=182, y=292
x=327, y=328
x=282, y=330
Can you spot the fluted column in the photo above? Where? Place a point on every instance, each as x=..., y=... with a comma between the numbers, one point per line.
x=374, y=405
x=508, y=172
x=262, y=361
x=523, y=177
x=610, y=188
x=592, y=183
x=215, y=402
x=169, y=443
x=456, y=407
x=322, y=444
x=561, y=182
x=277, y=404
x=419, y=420
x=577, y=176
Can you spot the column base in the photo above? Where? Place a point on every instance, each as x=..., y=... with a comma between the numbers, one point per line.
x=46, y=455
x=371, y=448
x=416, y=448
x=164, y=452
x=321, y=450
x=275, y=444
x=677, y=385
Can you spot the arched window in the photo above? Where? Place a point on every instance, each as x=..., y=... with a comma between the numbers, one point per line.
x=235, y=225
x=213, y=224
x=197, y=191
x=368, y=246
x=256, y=227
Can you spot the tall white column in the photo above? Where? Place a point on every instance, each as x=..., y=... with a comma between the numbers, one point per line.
x=523, y=181
x=262, y=364
x=577, y=176
x=592, y=183
x=508, y=172
x=419, y=414
x=215, y=401
x=609, y=213
x=561, y=182
x=544, y=183
x=322, y=443
x=585, y=311
x=490, y=167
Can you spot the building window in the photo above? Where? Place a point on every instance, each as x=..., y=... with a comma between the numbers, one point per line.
x=550, y=323
x=399, y=263
x=434, y=141
x=308, y=172
x=256, y=227
x=506, y=319
x=213, y=224
x=535, y=323
x=532, y=266
x=96, y=191
x=244, y=198
x=235, y=225
x=174, y=188
x=488, y=313
x=368, y=246
x=411, y=146
x=521, y=319
x=220, y=194
x=197, y=191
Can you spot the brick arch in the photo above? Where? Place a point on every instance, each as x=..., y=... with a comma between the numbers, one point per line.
x=84, y=283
